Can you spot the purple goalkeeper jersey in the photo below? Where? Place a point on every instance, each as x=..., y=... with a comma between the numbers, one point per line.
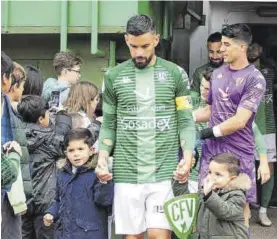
x=229, y=90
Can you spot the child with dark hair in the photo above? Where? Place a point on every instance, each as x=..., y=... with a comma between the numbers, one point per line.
x=45, y=148
x=221, y=208
x=80, y=207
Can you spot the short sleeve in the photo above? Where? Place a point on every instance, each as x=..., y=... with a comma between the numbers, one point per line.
x=182, y=86
x=253, y=93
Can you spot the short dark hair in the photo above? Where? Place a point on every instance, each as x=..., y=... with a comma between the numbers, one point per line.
x=215, y=37
x=232, y=162
x=79, y=134
x=207, y=74
x=239, y=31
x=6, y=65
x=65, y=60
x=140, y=24
x=34, y=81
x=31, y=107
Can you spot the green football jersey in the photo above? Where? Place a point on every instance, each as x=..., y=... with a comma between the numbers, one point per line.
x=265, y=115
x=146, y=114
x=198, y=103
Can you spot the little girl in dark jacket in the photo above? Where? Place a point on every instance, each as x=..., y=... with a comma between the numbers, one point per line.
x=81, y=200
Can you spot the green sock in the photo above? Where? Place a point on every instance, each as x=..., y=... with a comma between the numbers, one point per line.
x=266, y=191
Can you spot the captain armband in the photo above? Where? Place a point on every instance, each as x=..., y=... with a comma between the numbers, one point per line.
x=183, y=102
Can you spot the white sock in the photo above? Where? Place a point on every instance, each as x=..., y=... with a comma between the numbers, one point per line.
x=263, y=210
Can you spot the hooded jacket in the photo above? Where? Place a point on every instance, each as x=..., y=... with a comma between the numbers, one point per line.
x=45, y=145
x=12, y=129
x=80, y=206
x=52, y=84
x=221, y=214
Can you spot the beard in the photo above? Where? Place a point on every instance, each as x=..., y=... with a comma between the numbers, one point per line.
x=216, y=64
x=142, y=65
x=253, y=59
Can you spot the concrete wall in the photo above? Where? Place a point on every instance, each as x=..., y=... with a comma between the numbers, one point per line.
x=181, y=48
x=40, y=49
x=198, y=41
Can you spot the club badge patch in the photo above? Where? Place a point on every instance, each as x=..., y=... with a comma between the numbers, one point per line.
x=181, y=213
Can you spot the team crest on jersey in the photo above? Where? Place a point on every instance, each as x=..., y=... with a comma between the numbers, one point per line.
x=239, y=81
x=219, y=76
x=162, y=76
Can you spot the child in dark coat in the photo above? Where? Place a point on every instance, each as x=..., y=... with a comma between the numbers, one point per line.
x=81, y=200
x=221, y=210
x=45, y=148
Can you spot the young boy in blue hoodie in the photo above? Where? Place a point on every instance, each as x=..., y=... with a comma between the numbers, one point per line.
x=81, y=202
x=67, y=68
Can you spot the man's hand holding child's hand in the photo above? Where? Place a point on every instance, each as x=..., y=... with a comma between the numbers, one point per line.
x=48, y=219
x=102, y=171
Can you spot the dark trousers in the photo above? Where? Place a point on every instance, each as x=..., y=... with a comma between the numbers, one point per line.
x=34, y=228
x=11, y=224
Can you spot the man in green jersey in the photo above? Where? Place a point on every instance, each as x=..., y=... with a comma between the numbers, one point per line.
x=147, y=116
x=215, y=61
